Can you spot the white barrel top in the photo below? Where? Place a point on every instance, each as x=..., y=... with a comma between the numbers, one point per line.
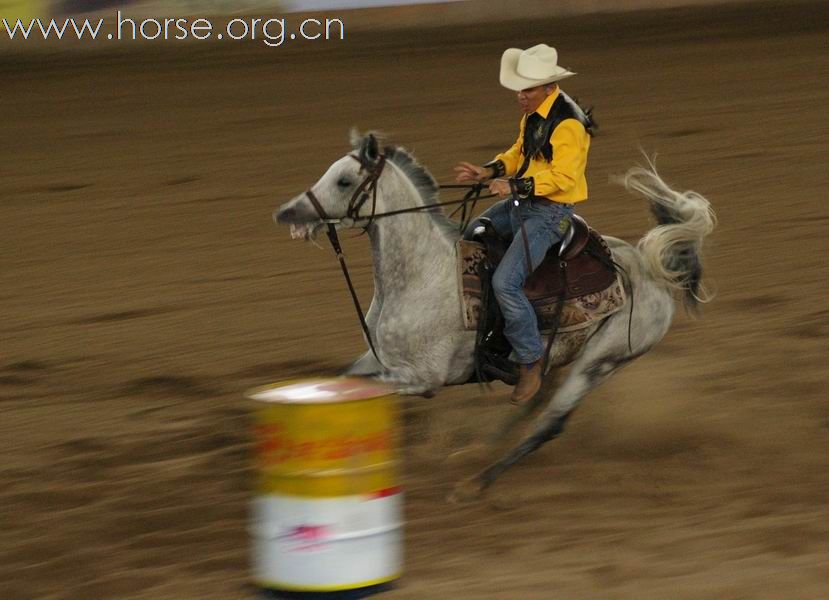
x=321, y=390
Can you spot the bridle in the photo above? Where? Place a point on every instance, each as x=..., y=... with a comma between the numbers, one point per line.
x=368, y=189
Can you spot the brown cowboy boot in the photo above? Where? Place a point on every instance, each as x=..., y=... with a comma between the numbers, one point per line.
x=529, y=382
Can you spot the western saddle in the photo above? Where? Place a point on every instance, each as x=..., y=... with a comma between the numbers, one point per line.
x=582, y=260
x=579, y=265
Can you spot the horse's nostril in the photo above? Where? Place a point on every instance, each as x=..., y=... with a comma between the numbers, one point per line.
x=281, y=215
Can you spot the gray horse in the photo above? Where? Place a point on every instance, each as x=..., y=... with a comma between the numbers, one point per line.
x=415, y=318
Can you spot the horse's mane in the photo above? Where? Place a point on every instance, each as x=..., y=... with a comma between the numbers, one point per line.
x=425, y=185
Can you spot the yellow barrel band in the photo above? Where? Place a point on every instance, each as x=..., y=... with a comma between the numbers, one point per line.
x=287, y=587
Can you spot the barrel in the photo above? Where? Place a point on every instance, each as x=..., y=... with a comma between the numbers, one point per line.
x=327, y=515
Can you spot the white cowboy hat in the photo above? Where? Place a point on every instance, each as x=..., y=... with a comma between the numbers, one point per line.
x=522, y=69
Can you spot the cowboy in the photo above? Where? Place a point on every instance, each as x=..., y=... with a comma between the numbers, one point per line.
x=540, y=177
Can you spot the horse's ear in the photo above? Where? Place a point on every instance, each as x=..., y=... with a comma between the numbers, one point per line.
x=369, y=149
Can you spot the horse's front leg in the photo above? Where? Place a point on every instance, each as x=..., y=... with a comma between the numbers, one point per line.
x=408, y=387
x=368, y=366
x=365, y=366
x=484, y=448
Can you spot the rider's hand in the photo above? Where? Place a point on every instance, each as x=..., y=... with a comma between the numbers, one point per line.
x=469, y=173
x=500, y=187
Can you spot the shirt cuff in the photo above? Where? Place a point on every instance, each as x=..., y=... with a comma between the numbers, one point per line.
x=524, y=186
x=498, y=167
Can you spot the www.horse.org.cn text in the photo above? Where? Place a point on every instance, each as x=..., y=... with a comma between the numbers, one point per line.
x=273, y=31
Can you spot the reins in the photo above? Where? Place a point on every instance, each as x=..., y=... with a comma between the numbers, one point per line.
x=368, y=188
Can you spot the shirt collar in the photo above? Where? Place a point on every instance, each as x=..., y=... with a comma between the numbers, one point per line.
x=544, y=107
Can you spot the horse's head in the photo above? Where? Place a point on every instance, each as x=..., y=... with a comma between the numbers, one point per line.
x=346, y=193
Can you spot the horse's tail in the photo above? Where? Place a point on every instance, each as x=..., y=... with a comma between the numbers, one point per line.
x=671, y=250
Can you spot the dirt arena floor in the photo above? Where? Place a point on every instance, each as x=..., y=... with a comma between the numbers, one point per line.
x=144, y=287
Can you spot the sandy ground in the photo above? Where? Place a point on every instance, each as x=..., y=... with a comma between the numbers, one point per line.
x=143, y=288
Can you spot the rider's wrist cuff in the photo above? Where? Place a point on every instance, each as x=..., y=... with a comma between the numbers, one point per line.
x=523, y=186
x=498, y=168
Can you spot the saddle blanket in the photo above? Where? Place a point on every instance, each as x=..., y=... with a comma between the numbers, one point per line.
x=577, y=313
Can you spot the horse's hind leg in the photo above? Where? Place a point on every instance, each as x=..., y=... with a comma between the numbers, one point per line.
x=588, y=372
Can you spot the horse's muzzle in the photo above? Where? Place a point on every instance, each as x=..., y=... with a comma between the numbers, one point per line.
x=284, y=216
x=295, y=213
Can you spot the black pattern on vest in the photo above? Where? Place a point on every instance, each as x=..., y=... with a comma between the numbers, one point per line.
x=537, y=130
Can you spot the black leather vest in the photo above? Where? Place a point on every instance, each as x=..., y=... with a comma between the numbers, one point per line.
x=537, y=130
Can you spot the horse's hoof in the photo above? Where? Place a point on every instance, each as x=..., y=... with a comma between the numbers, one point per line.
x=469, y=490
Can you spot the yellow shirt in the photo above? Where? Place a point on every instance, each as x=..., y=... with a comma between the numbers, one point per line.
x=561, y=180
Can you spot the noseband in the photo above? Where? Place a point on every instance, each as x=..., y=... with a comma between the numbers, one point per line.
x=367, y=188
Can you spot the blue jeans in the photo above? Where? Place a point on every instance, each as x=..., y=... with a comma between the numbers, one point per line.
x=545, y=223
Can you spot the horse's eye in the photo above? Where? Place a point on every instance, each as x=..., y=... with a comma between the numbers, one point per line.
x=343, y=182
